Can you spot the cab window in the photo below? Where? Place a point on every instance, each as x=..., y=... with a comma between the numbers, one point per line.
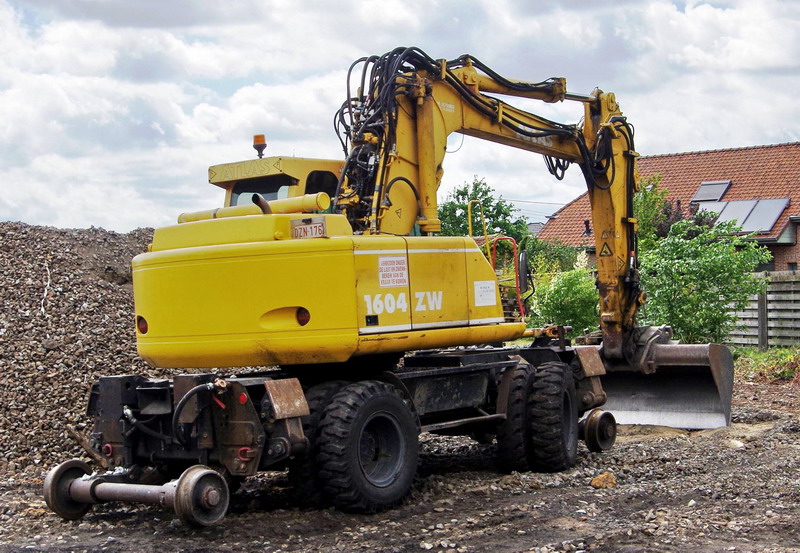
x=321, y=181
x=274, y=187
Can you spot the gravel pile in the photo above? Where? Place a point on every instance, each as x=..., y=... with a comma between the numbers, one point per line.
x=66, y=318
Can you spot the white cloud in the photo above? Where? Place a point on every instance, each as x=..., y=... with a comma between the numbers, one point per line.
x=750, y=36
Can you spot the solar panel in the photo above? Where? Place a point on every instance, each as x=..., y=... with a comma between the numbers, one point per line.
x=764, y=215
x=737, y=211
x=716, y=207
x=711, y=191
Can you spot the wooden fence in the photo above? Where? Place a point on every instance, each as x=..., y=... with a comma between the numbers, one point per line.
x=772, y=318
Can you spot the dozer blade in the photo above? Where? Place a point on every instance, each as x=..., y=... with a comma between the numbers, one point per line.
x=691, y=388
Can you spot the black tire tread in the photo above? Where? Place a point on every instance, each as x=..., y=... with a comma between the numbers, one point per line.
x=549, y=452
x=333, y=437
x=304, y=471
x=513, y=434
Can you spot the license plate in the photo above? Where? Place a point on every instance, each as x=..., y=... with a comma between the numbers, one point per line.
x=313, y=227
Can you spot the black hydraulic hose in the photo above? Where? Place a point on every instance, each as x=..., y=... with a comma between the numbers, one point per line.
x=546, y=85
x=557, y=128
x=410, y=185
x=139, y=425
x=342, y=176
x=557, y=167
x=349, y=72
x=181, y=404
x=487, y=109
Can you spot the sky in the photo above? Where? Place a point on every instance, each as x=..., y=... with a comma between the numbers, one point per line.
x=111, y=111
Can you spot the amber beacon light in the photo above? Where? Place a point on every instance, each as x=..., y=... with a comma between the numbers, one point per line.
x=259, y=143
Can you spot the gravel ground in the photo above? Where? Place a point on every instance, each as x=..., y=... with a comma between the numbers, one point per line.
x=66, y=318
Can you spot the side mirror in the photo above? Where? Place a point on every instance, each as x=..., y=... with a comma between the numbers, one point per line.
x=524, y=272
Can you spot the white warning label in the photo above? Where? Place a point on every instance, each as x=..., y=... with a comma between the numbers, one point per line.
x=392, y=271
x=485, y=293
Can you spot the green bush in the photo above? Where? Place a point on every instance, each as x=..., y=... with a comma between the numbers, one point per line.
x=568, y=298
x=547, y=257
x=697, y=276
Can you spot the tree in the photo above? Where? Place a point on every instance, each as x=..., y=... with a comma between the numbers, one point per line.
x=649, y=208
x=550, y=256
x=656, y=214
x=697, y=276
x=500, y=214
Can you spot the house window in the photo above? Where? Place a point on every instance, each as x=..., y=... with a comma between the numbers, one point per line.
x=711, y=191
x=792, y=266
x=767, y=267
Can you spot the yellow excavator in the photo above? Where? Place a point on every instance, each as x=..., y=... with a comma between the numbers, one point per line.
x=370, y=327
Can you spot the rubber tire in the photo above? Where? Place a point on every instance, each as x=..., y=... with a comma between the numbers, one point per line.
x=514, y=433
x=304, y=471
x=553, y=406
x=364, y=405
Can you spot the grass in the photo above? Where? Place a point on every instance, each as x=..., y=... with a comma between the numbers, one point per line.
x=774, y=364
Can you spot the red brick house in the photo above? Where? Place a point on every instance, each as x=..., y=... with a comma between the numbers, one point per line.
x=757, y=186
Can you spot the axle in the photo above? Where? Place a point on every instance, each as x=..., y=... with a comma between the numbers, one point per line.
x=199, y=496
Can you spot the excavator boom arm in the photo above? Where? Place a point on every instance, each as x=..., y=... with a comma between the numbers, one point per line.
x=398, y=126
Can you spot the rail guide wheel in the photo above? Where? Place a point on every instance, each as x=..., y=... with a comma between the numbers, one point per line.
x=56, y=489
x=599, y=430
x=201, y=496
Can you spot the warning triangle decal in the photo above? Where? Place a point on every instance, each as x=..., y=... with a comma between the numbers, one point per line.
x=605, y=251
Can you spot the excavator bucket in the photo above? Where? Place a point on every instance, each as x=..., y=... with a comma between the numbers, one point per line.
x=691, y=387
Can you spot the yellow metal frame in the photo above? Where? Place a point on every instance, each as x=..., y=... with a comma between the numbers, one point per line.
x=432, y=109
x=483, y=222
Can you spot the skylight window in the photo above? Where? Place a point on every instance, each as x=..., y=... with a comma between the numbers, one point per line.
x=711, y=191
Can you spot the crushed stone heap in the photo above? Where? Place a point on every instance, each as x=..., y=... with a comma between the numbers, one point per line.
x=66, y=319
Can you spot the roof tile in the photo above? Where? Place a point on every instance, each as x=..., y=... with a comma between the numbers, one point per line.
x=756, y=173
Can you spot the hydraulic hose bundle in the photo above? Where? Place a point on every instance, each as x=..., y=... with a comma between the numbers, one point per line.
x=366, y=123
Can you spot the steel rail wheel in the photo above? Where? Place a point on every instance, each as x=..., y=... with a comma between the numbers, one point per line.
x=598, y=430
x=201, y=496
x=56, y=489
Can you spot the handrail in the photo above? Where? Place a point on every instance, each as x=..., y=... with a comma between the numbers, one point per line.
x=483, y=221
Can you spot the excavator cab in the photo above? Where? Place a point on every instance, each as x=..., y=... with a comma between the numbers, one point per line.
x=275, y=178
